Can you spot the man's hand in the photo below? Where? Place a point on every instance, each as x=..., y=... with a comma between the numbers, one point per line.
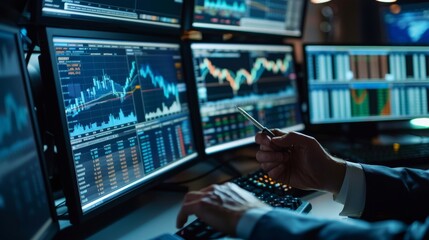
x=300, y=161
x=220, y=206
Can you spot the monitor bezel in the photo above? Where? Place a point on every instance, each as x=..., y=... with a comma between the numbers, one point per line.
x=103, y=24
x=53, y=227
x=196, y=104
x=348, y=126
x=68, y=170
x=188, y=23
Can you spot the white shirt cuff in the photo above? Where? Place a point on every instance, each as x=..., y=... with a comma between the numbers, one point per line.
x=353, y=191
x=248, y=221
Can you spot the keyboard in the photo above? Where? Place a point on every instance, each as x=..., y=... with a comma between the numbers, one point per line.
x=389, y=155
x=264, y=188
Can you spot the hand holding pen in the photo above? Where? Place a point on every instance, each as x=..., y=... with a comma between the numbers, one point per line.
x=268, y=132
x=299, y=161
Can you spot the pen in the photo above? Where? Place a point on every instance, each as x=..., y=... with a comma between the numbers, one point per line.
x=256, y=123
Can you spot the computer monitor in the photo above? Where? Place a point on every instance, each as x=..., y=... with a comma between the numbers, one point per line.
x=161, y=13
x=406, y=23
x=26, y=207
x=355, y=84
x=274, y=17
x=124, y=115
x=260, y=78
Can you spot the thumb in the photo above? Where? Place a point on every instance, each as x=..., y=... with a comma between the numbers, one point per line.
x=278, y=132
x=281, y=141
x=288, y=139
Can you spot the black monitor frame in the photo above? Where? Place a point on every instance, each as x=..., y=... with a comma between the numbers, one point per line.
x=103, y=24
x=360, y=129
x=53, y=228
x=188, y=21
x=67, y=168
x=190, y=74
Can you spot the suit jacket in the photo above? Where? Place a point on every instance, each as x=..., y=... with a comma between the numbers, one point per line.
x=396, y=207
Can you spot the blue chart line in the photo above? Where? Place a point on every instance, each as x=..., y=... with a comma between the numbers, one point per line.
x=159, y=81
x=165, y=104
x=106, y=87
x=107, y=96
x=223, y=5
x=14, y=116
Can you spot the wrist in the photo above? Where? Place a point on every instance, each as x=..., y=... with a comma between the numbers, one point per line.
x=336, y=175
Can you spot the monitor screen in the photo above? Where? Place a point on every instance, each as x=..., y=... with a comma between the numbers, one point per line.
x=124, y=111
x=163, y=13
x=366, y=83
x=259, y=78
x=25, y=206
x=406, y=23
x=277, y=17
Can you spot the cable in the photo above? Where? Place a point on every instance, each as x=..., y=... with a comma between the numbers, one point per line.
x=29, y=53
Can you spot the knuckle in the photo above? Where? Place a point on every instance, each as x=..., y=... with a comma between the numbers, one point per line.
x=259, y=155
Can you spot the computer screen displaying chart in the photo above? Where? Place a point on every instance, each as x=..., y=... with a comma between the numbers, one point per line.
x=259, y=78
x=164, y=13
x=125, y=111
x=367, y=83
x=24, y=197
x=406, y=23
x=277, y=17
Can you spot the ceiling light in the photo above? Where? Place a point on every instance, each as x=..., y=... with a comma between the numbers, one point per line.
x=386, y=1
x=319, y=1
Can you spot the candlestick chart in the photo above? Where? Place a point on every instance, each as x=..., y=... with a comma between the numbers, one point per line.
x=99, y=93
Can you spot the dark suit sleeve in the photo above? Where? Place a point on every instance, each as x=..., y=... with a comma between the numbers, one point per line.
x=396, y=193
x=284, y=224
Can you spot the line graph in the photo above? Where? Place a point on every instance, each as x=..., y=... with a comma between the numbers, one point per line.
x=102, y=89
x=159, y=81
x=225, y=11
x=159, y=86
x=101, y=94
x=224, y=5
x=262, y=75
